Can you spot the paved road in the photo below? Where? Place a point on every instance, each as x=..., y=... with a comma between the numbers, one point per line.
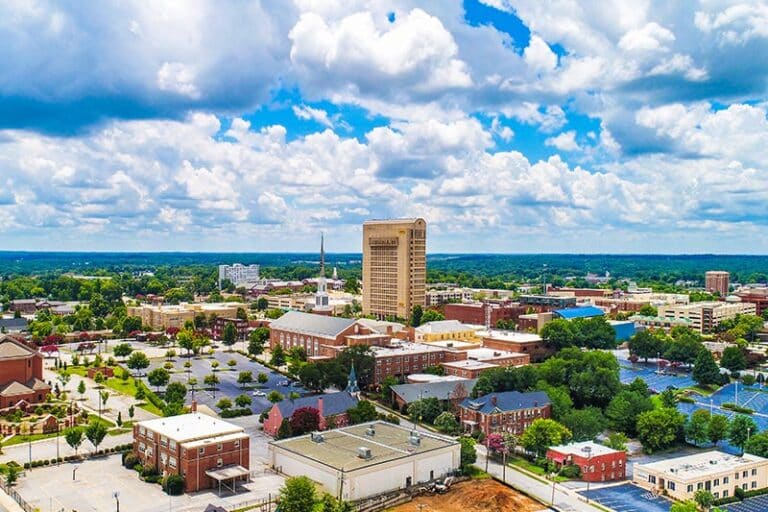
x=46, y=448
x=565, y=499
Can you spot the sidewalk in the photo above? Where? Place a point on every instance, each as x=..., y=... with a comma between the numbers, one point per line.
x=564, y=499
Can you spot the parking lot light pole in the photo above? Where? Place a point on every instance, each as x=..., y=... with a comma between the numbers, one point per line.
x=552, y=477
x=588, y=450
x=116, y=495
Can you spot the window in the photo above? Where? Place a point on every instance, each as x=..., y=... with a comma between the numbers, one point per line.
x=142, y=447
x=725, y=494
x=725, y=480
x=172, y=462
x=670, y=485
x=172, y=445
x=716, y=482
x=651, y=479
x=219, y=446
x=201, y=451
x=690, y=488
x=754, y=485
x=716, y=495
x=745, y=474
x=736, y=476
x=699, y=486
x=754, y=472
x=744, y=486
x=237, y=443
x=219, y=462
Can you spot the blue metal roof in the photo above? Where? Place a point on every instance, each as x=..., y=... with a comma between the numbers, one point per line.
x=582, y=312
x=506, y=401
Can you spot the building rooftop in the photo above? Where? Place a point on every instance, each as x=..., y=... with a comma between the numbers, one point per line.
x=11, y=348
x=513, y=336
x=315, y=325
x=470, y=364
x=190, y=427
x=442, y=390
x=404, y=348
x=393, y=221
x=445, y=326
x=489, y=354
x=456, y=344
x=333, y=403
x=580, y=449
x=506, y=401
x=701, y=464
x=582, y=312
x=340, y=448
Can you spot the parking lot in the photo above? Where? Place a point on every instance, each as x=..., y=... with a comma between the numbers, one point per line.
x=52, y=488
x=227, y=375
x=757, y=504
x=628, y=498
x=657, y=382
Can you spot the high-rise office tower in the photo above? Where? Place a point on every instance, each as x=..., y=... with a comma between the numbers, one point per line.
x=717, y=281
x=394, y=266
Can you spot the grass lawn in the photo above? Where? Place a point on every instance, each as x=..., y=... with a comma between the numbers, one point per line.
x=102, y=420
x=702, y=391
x=533, y=468
x=27, y=438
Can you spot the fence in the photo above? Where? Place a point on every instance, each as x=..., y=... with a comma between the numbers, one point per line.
x=10, y=491
x=267, y=504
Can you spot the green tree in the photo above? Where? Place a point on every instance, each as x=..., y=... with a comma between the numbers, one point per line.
x=685, y=348
x=424, y=410
x=245, y=378
x=95, y=432
x=262, y=303
x=211, y=380
x=432, y=315
x=297, y=495
x=646, y=344
x=278, y=356
x=175, y=392
x=624, y=408
x=468, y=454
x=558, y=334
x=668, y=398
x=697, y=427
x=684, y=506
x=158, y=378
x=130, y=324
x=274, y=396
x=229, y=335
x=12, y=474
x=542, y=434
x=416, y=315
x=659, y=429
x=81, y=388
x=648, y=310
x=224, y=404
x=757, y=444
x=242, y=314
x=137, y=361
x=74, y=437
x=185, y=338
x=705, y=370
x=311, y=377
x=559, y=399
x=704, y=499
x=617, y=441
x=122, y=350
x=741, y=428
x=284, y=430
x=585, y=424
x=733, y=359
x=363, y=412
x=243, y=401
x=386, y=388
x=262, y=378
x=447, y=423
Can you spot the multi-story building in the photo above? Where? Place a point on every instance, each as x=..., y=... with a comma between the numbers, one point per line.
x=717, y=281
x=547, y=302
x=23, y=306
x=565, y=291
x=597, y=463
x=320, y=335
x=21, y=374
x=241, y=327
x=510, y=411
x=394, y=266
x=757, y=296
x=159, y=317
x=479, y=312
x=400, y=359
x=202, y=449
x=520, y=342
x=704, y=317
x=446, y=330
x=239, y=274
x=717, y=472
x=452, y=295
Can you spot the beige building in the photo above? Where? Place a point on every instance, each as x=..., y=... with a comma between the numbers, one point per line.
x=717, y=281
x=160, y=317
x=441, y=330
x=394, y=266
x=705, y=316
x=717, y=472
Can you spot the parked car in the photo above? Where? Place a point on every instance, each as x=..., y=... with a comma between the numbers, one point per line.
x=259, y=393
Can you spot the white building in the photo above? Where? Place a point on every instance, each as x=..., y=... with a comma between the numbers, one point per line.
x=705, y=316
x=353, y=463
x=239, y=274
x=439, y=297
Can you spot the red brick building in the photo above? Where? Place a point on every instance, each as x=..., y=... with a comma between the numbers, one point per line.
x=476, y=313
x=521, y=342
x=241, y=327
x=598, y=463
x=332, y=407
x=321, y=335
x=510, y=411
x=405, y=358
x=757, y=296
x=21, y=373
x=206, y=451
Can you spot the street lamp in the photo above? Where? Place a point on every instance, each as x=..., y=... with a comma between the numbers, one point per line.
x=552, y=477
x=116, y=495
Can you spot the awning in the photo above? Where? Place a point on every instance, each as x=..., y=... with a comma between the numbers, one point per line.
x=228, y=473
x=470, y=422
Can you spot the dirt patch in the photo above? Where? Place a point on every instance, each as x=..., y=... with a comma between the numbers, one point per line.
x=474, y=496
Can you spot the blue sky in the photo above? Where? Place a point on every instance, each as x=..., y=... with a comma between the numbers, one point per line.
x=510, y=125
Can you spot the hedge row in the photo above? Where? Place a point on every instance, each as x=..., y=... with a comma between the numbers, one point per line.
x=737, y=408
x=69, y=458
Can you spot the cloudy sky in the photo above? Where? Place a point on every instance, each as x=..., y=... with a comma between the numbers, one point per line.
x=510, y=125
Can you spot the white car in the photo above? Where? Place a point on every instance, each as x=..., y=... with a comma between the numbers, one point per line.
x=259, y=393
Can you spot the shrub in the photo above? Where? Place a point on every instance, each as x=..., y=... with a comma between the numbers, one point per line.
x=686, y=399
x=130, y=460
x=748, y=379
x=570, y=471
x=173, y=484
x=737, y=408
x=740, y=493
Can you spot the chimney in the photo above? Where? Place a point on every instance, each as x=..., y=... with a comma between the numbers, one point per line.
x=193, y=406
x=493, y=400
x=320, y=406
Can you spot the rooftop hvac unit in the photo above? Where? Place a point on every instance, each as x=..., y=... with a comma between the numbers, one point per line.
x=364, y=452
x=317, y=437
x=370, y=431
x=415, y=440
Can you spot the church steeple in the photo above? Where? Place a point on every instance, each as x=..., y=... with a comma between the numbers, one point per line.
x=321, y=297
x=322, y=255
x=352, y=387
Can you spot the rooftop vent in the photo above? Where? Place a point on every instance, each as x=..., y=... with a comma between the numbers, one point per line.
x=317, y=437
x=364, y=452
x=370, y=431
x=414, y=439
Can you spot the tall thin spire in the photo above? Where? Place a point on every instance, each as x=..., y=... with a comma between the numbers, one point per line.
x=322, y=254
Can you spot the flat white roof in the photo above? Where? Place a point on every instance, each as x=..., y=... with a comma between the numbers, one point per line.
x=190, y=427
x=520, y=337
x=453, y=343
x=701, y=464
x=482, y=354
x=579, y=449
x=470, y=364
x=403, y=349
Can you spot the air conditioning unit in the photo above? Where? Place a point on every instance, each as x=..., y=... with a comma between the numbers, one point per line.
x=317, y=437
x=364, y=452
x=414, y=439
x=370, y=431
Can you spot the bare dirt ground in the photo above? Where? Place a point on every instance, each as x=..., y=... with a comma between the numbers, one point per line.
x=473, y=496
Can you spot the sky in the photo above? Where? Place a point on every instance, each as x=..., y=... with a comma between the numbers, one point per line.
x=511, y=126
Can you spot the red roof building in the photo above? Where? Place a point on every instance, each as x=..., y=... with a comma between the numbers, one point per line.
x=597, y=463
x=21, y=374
